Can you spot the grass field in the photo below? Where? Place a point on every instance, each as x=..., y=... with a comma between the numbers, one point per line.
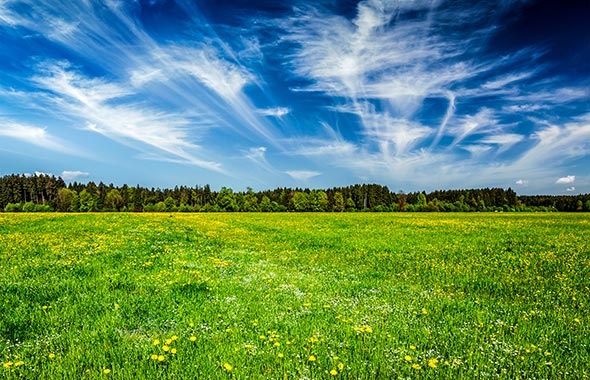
x=295, y=296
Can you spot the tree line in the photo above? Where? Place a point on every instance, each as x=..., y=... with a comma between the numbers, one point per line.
x=45, y=193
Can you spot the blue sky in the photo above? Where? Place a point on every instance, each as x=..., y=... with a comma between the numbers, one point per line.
x=415, y=95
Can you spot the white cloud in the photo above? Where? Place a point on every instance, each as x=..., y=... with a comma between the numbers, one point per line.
x=68, y=175
x=483, y=121
x=570, y=189
x=93, y=101
x=34, y=135
x=258, y=156
x=524, y=108
x=522, y=182
x=477, y=150
x=224, y=78
x=567, y=180
x=501, y=82
x=276, y=112
x=6, y=15
x=503, y=140
x=302, y=175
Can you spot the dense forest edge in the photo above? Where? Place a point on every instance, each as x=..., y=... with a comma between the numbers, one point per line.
x=47, y=193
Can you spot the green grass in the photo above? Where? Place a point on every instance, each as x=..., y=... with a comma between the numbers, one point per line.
x=369, y=296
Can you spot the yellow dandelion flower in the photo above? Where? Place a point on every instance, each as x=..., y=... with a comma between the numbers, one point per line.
x=432, y=363
x=106, y=371
x=416, y=366
x=168, y=342
x=408, y=358
x=156, y=342
x=161, y=358
x=280, y=355
x=19, y=363
x=333, y=372
x=173, y=351
x=192, y=338
x=154, y=357
x=191, y=324
x=341, y=366
x=577, y=320
x=277, y=344
x=227, y=366
x=51, y=356
x=262, y=337
x=312, y=358
x=424, y=311
x=7, y=365
x=174, y=337
x=412, y=347
x=166, y=348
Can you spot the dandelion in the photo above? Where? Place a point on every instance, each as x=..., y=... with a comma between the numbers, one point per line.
x=51, y=356
x=191, y=324
x=408, y=358
x=168, y=342
x=174, y=337
x=173, y=351
x=312, y=358
x=277, y=344
x=280, y=355
x=156, y=342
x=424, y=311
x=416, y=366
x=166, y=348
x=432, y=363
x=154, y=357
x=106, y=371
x=577, y=320
x=333, y=372
x=7, y=365
x=412, y=347
x=227, y=366
x=161, y=358
x=341, y=366
x=192, y=338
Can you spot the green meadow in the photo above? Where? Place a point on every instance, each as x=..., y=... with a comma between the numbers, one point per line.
x=295, y=296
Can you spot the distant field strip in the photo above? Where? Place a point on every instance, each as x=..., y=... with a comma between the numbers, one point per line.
x=295, y=296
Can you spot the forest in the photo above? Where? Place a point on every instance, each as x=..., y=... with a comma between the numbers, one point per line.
x=47, y=193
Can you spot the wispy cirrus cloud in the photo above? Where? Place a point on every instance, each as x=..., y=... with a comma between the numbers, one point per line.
x=101, y=107
x=302, y=175
x=36, y=136
x=275, y=112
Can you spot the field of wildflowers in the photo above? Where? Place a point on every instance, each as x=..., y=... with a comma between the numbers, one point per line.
x=295, y=296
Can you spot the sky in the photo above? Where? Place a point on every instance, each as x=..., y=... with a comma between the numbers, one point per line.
x=412, y=94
